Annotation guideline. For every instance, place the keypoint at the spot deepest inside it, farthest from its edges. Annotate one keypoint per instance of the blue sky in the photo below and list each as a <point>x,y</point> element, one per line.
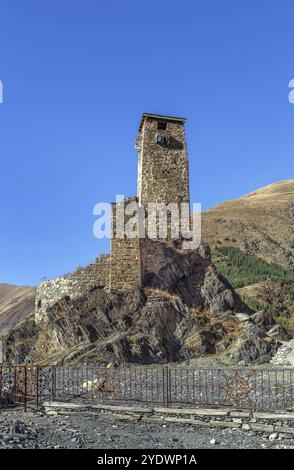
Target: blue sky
<point>77,74</point>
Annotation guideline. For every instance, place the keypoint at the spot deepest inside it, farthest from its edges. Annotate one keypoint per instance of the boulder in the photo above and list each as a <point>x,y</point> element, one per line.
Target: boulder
<point>278,332</point>
<point>252,345</point>
<point>242,317</point>
<point>263,319</point>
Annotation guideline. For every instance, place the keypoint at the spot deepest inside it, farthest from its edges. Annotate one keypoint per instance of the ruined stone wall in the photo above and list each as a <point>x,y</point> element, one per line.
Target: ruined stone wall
<point>72,285</point>
<point>94,274</point>
<point>163,173</point>
<point>125,259</point>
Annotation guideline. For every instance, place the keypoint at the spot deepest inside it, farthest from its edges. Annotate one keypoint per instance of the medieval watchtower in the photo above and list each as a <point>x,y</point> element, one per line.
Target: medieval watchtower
<point>163,177</point>
<point>163,173</point>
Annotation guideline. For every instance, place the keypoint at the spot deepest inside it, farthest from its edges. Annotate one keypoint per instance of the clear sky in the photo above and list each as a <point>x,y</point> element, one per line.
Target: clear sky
<point>77,74</point>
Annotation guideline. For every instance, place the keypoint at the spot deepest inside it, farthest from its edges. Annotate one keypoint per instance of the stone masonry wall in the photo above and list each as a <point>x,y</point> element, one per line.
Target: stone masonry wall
<point>72,286</point>
<point>125,259</point>
<point>163,177</point>
<point>163,173</point>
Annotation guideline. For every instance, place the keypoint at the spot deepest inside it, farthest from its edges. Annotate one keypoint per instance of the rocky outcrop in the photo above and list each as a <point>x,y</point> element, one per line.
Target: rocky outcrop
<point>285,355</point>
<point>255,340</point>
<point>186,310</point>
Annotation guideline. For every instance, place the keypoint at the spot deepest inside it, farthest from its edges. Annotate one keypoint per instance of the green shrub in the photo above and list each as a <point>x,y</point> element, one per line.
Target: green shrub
<point>256,305</point>
<point>287,323</point>
<point>242,269</point>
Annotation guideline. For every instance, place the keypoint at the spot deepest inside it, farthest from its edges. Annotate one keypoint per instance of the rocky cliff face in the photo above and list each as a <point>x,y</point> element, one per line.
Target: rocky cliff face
<point>186,310</point>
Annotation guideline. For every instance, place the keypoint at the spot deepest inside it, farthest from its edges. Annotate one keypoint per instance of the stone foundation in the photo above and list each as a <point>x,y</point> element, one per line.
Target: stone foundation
<point>268,424</point>
<point>72,286</point>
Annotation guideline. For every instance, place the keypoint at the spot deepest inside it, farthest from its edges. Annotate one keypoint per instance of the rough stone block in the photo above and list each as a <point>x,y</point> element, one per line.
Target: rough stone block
<point>262,427</point>
<point>224,424</point>
<point>172,419</point>
<point>284,429</point>
<point>274,416</point>
<point>122,408</point>
<point>284,435</point>
<point>191,411</point>
<point>246,427</point>
<point>240,414</point>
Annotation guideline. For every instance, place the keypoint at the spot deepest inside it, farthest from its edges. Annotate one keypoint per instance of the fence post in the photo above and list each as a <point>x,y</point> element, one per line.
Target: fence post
<point>165,376</point>
<point>53,389</point>
<point>25,387</point>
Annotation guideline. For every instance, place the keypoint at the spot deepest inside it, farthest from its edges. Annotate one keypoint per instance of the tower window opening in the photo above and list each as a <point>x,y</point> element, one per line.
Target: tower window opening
<point>161,140</point>
<point>161,125</point>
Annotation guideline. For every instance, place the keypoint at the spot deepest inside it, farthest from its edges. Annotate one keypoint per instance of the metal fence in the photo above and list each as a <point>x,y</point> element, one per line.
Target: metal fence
<point>260,389</point>
<point>19,386</point>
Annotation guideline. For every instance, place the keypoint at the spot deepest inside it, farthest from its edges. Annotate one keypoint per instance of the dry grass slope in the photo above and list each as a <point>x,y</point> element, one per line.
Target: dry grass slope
<point>16,305</point>
<point>260,223</point>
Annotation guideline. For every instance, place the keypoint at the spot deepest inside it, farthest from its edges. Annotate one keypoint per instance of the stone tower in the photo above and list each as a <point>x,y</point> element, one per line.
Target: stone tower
<point>163,172</point>
<point>163,177</point>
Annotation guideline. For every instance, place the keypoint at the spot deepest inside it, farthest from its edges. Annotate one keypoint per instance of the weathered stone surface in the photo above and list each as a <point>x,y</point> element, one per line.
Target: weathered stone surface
<point>278,332</point>
<point>124,408</point>
<point>178,324</point>
<point>262,427</point>
<point>285,355</point>
<point>172,419</point>
<point>224,424</point>
<point>242,316</point>
<point>274,416</point>
<point>71,286</point>
<point>240,414</point>
<point>54,405</point>
<point>192,411</point>
<point>263,319</point>
<point>246,427</point>
<point>252,345</point>
<point>285,429</point>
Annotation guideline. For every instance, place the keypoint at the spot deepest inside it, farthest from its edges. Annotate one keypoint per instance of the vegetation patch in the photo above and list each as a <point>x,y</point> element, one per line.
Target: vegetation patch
<point>242,269</point>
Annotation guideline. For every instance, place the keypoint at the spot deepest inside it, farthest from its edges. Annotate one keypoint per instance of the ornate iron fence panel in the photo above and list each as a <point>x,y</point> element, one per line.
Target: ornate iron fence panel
<point>264,389</point>
<point>19,385</point>
<point>256,389</point>
<point>115,384</point>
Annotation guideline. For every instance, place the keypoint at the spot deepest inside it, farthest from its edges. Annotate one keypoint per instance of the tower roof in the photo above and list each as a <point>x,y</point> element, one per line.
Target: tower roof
<point>160,117</point>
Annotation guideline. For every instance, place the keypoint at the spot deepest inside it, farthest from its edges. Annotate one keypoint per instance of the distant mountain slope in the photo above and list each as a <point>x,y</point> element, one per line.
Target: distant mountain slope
<point>270,294</point>
<point>16,305</point>
<point>260,223</point>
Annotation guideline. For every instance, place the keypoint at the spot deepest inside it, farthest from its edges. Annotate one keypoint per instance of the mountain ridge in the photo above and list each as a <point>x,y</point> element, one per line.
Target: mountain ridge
<point>16,305</point>
<point>260,223</point>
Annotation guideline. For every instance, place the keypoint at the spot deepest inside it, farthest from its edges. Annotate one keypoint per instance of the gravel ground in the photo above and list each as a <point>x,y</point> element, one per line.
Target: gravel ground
<point>38,430</point>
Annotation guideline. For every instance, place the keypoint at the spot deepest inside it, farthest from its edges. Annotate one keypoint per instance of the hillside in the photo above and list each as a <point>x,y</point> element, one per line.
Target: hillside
<point>252,241</point>
<point>16,305</point>
<point>185,311</point>
<point>260,223</point>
